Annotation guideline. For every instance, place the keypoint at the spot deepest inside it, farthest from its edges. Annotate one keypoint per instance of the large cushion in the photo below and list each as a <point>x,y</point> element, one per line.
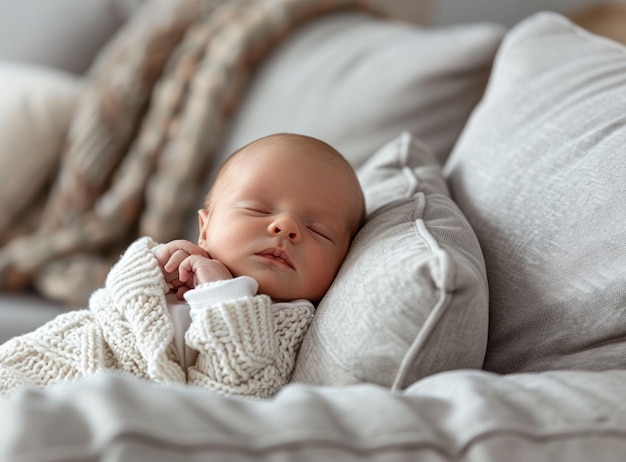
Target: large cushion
<point>540,172</point>
<point>37,106</point>
<point>356,81</point>
<point>65,34</point>
<point>411,297</point>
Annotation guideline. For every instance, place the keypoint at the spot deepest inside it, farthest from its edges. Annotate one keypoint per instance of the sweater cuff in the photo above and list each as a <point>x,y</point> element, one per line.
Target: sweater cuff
<point>212,293</point>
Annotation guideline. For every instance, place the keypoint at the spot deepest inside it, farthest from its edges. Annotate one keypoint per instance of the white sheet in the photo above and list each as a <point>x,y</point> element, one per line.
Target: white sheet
<point>453,416</point>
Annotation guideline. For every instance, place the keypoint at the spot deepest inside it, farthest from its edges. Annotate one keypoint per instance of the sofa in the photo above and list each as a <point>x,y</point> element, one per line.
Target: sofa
<point>480,314</point>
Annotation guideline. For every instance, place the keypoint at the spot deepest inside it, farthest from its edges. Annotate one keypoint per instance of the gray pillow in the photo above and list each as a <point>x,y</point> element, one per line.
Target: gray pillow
<point>411,297</point>
<point>540,172</point>
<point>356,81</point>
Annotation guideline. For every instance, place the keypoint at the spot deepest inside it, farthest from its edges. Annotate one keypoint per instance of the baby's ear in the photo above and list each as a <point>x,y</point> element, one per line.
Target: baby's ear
<point>203,220</point>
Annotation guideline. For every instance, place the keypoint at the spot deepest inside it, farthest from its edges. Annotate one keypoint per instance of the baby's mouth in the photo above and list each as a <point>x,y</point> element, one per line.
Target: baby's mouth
<point>277,255</point>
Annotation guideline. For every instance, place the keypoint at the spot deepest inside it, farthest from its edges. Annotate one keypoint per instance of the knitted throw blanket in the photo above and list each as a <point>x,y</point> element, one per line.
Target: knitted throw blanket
<point>157,101</point>
<point>246,346</point>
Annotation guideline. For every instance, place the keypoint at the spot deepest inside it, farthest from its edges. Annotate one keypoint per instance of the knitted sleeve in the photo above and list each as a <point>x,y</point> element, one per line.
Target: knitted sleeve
<point>131,311</point>
<point>246,346</point>
<point>126,327</point>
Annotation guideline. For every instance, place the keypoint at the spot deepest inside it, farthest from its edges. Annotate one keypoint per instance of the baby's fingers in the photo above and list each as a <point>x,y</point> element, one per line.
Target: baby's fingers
<point>165,253</point>
<point>187,267</point>
<point>200,270</point>
<point>175,260</point>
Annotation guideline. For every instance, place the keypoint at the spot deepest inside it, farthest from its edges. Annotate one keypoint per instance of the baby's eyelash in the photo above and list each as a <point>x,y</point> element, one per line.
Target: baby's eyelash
<point>320,233</point>
<point>259,210</point>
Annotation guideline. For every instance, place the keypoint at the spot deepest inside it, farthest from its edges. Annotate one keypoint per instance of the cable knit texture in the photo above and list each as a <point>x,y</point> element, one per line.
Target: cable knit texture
<point>246,346</point>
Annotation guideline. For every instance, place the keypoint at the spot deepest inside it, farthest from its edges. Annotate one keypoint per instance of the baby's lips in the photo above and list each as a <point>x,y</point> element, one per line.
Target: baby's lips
<point>280,254</point>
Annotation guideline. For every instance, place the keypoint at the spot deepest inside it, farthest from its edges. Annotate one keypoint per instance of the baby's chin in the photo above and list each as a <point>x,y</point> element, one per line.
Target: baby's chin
<point>283,291</point>
<point>279,294</point>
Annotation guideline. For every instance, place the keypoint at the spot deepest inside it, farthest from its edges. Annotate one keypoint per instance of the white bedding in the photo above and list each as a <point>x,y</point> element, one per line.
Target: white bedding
<point>454,416</point>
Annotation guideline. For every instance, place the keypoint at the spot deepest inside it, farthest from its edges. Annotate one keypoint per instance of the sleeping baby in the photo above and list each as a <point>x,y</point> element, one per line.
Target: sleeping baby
<point>228,313</point>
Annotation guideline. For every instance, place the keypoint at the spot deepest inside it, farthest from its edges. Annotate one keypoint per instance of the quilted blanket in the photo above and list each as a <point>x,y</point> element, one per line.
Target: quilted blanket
<point>158,99</point>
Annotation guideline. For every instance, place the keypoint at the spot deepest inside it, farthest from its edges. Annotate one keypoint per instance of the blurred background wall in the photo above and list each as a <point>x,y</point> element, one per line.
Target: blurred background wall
<point>507,12</point>
<point>66,34</point>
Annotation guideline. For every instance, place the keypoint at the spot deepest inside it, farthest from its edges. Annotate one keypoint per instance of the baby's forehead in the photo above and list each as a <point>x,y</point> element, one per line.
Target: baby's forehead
<point>295,148</point>
<point>278,151</point>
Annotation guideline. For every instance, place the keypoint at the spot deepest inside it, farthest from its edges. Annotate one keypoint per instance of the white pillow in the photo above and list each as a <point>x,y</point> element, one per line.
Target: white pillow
<point>540,172</point>
<point>37,106</point>
<point>411,297</point>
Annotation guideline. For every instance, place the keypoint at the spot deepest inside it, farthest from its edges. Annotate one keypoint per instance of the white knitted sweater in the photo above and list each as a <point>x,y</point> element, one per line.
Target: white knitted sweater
<point>245,346</point>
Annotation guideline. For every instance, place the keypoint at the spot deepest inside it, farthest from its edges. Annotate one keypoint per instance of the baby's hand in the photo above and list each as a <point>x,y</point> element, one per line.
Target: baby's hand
<point>171,255</point>
<point>180,260</point>
<point>201,269</point>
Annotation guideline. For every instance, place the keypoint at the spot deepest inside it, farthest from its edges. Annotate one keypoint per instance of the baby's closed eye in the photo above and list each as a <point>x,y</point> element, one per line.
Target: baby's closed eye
<point>255,208</point>
<point>321,230</point>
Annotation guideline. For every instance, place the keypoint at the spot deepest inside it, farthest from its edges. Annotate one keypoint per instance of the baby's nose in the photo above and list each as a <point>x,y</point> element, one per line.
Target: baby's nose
<point>286,227</point>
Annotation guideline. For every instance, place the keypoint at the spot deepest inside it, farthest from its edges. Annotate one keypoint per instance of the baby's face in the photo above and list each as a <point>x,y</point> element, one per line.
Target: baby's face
<point>283,218</point>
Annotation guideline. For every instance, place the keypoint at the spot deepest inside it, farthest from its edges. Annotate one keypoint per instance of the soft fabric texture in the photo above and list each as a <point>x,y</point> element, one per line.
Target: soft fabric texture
<point>457,416</point>
<point>411,297</point>
<point>62,34</point>
<point>36,110</point>
<point>539,172</point>
<point>246,346</point>
<point>144,133</point>
<point>356,81</point>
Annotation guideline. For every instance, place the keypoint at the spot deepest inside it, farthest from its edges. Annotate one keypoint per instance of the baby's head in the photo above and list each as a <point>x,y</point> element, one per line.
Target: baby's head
<point>283,210</point>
